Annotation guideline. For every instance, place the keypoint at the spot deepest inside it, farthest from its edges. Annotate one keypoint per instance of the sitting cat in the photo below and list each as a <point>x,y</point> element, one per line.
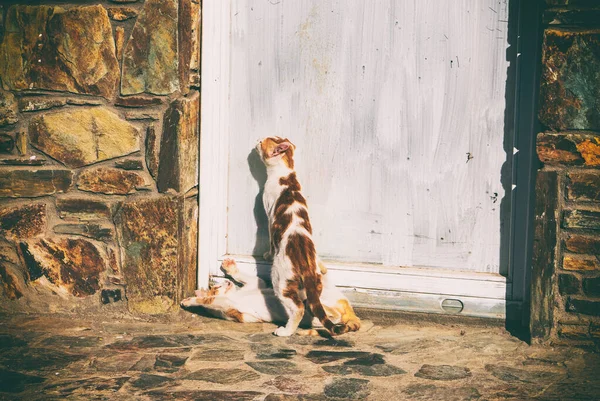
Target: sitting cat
<point>295,274</point>
<point>255,301</point>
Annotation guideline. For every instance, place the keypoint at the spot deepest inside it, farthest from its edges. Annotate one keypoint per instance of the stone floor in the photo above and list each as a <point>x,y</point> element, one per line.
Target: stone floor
<point>188,357</point>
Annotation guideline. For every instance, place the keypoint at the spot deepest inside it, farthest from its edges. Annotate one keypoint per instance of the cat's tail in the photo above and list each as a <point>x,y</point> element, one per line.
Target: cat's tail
<point>313,287</point>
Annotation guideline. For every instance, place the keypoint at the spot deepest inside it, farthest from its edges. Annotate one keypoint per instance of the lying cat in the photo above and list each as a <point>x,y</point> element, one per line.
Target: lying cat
<point>295,274</point>
<point>255,301</point>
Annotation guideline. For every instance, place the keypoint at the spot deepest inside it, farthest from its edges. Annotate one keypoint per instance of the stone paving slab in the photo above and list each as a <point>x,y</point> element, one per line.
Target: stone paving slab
<point>188,357</point>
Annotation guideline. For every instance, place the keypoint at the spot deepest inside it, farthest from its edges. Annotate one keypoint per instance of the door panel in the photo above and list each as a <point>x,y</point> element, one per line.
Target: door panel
<point>397,110</point>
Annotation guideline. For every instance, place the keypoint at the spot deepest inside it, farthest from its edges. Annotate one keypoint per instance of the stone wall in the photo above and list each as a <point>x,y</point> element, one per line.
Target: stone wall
<point>566,276</point>
<point>99,123</point>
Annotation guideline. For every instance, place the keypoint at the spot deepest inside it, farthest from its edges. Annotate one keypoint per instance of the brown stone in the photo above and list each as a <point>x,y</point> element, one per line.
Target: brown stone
<point>569,148</point>
<point>90,101</point>
<point>578,243</point>
<point>189,246</point>
<point>130,164</point>
<point>587,219</point>
<point>23,162</point>
<point>8,108</point>
<point>185,26</point>
<point>94,134</point>
<point>544,249</point>
<point>121,13</point>
<point>7,143</point>
<point>583,186</point>
<point>195,44</point>
<point>580,263</point>
<point>74,265</point>
<point>82,209</point>
<point>148,236</point>
<point>31,184</point>
<point>119,41</point>
<point>178,166</point>
<point>13,280</point>
<point>561,16</point>
<point>110,181</point>
<point>137,101</point>
<point>141,116</point>
<point>570,83</point>
<point>150,60</point>
<point>27,104</point>
<point>573,332</point>
<point>94,231</point>
<point>48,47</point>
<point>568,284</point>
<point>21,142</point>
<point>152,150</point>
<point>583,306</point>
<point>25,221</point>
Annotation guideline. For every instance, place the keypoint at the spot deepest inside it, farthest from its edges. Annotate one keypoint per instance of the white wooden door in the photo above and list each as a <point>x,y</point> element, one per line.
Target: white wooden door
<point>397,109</point>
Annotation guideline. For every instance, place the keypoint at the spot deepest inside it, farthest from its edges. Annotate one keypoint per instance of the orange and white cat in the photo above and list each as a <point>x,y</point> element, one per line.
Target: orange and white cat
<point>255,301</point>
<point>295,275</point>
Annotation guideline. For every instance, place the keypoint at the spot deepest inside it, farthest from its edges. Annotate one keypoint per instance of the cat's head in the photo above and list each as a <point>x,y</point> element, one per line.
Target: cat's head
<point>274,150</point>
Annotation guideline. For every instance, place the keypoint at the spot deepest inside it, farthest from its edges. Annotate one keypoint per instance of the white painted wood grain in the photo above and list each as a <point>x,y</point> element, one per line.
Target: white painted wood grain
<point>384,100</point>
<point>214,123</point>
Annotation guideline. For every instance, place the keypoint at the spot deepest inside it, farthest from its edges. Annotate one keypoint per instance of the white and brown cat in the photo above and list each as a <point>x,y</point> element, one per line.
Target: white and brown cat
<point>295,275</point>
<point>255,301</point>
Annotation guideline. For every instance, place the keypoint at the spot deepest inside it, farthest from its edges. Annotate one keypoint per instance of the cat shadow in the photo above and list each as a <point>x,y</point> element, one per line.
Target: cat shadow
<point>261,242</point>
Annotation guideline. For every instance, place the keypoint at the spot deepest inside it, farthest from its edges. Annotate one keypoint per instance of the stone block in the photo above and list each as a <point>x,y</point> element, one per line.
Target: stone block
<point>185,33</point>
<point>150,58</point>
<point>573,332</point>
<point>580,263</point>
<point>7,143</point>
<point>31,184</point>
<point>110,181</point>
<point>568,284</point>
<point>28,104</point>
<point>25,221</point>
<point>94,134</point>
<point>578,243</point>
<point>591,286</point>
<point>82,209</point>
<point>586,219</point>
<point>122,13</point>
<point>583,306</point>
<point>119,42</point>
<point>570,83</point>
<point>47,47</point>
<point>544,247</point>
<point>583,186</point>
<point>152,150</point>
<point>137,101</point>
<point>22,142</point>
<point>148,236</point>
<point>195,43</point>
<point>178,162</point>
<point>94,231</point>
<point>72,265</point>
<point>569,148</point>
<point>129,164</point>
<point>8,108</point>
<point>189,246</point>
<point>562,16</point>
<point>12,280</point>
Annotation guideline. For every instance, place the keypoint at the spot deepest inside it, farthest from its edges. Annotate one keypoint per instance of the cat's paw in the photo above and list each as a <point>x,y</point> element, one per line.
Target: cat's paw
<point>267,256</point>
<point>200,293</point>
<point>191,301</point>
<point>230,267</point>
<point>283,332</point>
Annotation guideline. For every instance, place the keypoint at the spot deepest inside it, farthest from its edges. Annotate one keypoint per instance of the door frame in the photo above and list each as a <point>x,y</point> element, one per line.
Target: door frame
<point>414,288</point>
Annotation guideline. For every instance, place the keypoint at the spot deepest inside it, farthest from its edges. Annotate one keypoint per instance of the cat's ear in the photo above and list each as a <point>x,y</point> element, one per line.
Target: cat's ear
<point>280,148</point>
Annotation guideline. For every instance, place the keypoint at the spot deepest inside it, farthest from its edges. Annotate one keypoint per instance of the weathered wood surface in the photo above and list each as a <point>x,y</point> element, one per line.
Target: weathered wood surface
<point>397,109</point>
